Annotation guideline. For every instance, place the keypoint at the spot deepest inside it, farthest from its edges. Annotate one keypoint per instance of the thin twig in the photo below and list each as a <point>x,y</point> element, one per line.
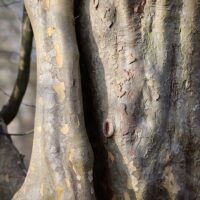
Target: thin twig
<point>3,4</point>
<point>30,132</point>
<point>25,104</point>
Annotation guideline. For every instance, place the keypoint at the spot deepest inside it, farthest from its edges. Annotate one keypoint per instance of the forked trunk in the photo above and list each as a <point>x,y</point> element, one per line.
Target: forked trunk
<point>140,74</point>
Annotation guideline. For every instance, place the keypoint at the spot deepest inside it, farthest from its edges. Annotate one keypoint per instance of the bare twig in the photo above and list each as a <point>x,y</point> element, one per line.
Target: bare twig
<point>25,104</point>
<point>30,132</point>
<point>3,4</point>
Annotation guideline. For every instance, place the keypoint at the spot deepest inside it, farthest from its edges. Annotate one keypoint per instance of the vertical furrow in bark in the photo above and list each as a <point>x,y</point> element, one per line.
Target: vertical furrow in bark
<point>113,57</point>
<point>138,59</point>
<point>141,69</point>
<point>190,51</point>
<point>93,93</point>
<point>62,159</point>
<point>125,101</point>
<point>156,93</point>
<point>175,169</point>
<point>165,70</point>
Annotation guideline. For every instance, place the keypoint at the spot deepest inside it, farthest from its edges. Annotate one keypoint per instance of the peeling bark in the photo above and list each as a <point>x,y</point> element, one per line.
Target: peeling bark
<point>140,75</point>
<point>12,168</point>
<point>140,81</point>
<point>62,160</point>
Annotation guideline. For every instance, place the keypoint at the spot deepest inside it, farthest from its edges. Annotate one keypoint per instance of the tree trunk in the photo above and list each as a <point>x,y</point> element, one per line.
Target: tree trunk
<point>61,163</point>
<point>140,82</point>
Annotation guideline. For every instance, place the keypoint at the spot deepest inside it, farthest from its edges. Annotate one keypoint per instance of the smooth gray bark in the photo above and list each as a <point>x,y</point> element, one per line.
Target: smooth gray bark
<point>62,159</point>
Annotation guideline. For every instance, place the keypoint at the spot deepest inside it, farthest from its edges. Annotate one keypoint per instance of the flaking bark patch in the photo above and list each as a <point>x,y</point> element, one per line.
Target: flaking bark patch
<point>59,57</point>
<point>45,4</point>
<point>60,90</point>
<point>65,129</point>
<point>50,31</point>
<point>61,161</point>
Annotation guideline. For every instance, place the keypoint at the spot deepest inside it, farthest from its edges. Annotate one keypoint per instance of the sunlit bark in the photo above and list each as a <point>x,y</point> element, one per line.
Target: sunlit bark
<point>140,75</point>
<point>140,66</point>
<point>62,160</point>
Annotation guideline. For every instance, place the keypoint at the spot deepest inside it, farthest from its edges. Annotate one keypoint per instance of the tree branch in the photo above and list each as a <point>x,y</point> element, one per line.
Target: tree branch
<point>25,104</point>
<point>9,111</point>
<point>3,4</point>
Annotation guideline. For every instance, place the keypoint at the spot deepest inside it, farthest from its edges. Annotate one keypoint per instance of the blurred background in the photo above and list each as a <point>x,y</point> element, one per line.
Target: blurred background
<point>11,12</point>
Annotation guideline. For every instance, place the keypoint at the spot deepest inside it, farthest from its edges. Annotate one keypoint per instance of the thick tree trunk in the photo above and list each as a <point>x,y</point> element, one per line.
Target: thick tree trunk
<point>140,76</point>
<point>140,66</point>
<point>62,160</point>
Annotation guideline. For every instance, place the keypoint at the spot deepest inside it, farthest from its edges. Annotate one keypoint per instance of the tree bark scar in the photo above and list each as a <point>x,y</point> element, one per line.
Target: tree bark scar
<point>108,128</point>
<point>45,4</point>
<point>96,3</point>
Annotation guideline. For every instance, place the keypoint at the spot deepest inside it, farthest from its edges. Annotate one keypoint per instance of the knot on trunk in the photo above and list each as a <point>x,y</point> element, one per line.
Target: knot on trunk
<point>108,128</point>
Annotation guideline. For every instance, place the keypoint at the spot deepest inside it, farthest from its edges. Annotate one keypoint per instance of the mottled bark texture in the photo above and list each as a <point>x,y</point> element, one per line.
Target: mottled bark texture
<point>140,66</point>
<point>62,159</point>
<point>141,78</point>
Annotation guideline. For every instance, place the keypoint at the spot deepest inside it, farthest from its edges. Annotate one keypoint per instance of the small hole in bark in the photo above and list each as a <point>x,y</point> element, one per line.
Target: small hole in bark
<point>108,128</point>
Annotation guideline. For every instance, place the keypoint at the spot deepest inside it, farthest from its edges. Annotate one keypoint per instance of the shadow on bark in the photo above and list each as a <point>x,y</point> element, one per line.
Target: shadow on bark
<point>96,110</point>
<point>93,118</point>
<point>161,170</point>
